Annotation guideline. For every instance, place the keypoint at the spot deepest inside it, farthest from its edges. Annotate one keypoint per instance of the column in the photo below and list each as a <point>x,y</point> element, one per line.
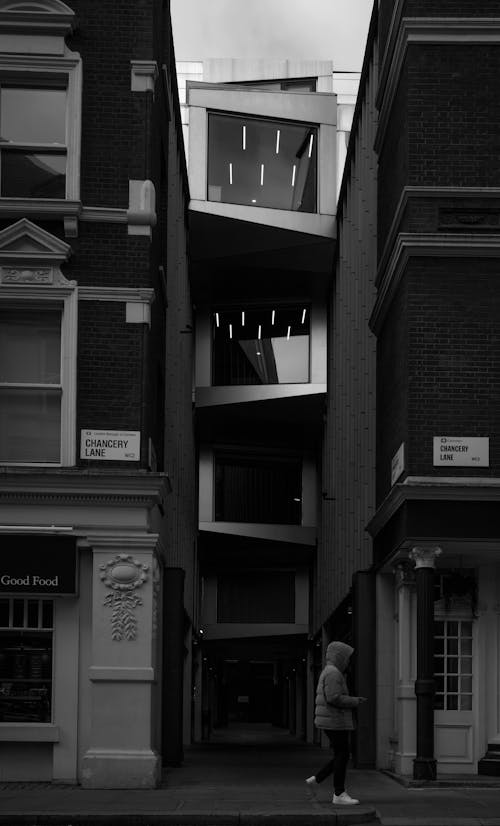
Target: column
<point>121,674</point>
<point>405,748</point>
<point>424,765</point>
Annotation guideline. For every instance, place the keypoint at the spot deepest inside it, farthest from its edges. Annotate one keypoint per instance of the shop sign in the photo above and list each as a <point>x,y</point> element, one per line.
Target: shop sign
<point>461,451</point>
<point>41,565</point>
<point>398,463</point>
<point>111,445</point>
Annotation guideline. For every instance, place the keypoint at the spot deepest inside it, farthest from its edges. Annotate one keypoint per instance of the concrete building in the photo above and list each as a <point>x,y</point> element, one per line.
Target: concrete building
<point>263,181</point>
<point>97,492</point>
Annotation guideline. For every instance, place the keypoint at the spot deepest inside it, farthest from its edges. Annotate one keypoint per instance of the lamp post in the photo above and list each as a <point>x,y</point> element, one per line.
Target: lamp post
<point>424,765</point>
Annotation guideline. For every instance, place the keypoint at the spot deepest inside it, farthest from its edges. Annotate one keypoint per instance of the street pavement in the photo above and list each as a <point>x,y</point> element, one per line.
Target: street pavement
<point>254,780</point>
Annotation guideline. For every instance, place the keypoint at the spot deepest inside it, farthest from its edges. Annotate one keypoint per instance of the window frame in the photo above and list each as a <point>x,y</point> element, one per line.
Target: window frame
<point>50,72</point>
<point>65,300</point>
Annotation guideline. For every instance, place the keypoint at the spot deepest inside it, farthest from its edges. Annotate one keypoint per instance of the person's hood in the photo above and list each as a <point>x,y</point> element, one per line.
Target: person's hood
<point>339,654</point>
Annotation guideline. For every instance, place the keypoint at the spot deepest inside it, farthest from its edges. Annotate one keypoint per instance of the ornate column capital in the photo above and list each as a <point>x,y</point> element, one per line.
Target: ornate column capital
<point>425,557</point>
<point>404,572</point>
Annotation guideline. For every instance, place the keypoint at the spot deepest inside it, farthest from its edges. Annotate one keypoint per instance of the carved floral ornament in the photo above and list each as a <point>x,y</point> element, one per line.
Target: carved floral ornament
<point>123,575</point>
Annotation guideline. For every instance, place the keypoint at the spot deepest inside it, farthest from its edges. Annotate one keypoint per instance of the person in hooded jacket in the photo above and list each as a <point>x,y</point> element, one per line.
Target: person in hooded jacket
<point>333,715</point>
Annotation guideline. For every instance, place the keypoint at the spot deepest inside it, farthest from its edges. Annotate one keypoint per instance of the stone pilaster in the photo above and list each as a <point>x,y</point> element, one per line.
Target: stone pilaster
<point>424,766</point>
<point>121,753</point>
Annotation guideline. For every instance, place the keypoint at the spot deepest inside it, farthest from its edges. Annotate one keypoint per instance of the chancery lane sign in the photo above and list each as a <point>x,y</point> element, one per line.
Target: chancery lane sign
<point>111,445</point>
<point>38,564</point>
<point>461,451</point>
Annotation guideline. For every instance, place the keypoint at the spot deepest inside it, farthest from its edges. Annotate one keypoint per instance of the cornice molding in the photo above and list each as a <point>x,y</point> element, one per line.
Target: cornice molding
<point>104,215</point>
<point>128,295</point>
<point>437,192</point>
<point>101,489</point>
<point>407,31</point>
<point>408,245</point>
<point>430,488</point>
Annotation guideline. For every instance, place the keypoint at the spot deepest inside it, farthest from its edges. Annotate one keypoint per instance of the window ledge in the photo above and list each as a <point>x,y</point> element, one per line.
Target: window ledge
<point>68,210</point>
<point>29,732</point>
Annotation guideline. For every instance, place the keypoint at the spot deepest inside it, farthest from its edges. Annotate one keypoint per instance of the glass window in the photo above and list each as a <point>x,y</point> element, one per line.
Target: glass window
<point>262,489</point>
<point>262,163</point>
<point>26,628</point>
<point>453,693</point>
<point>256,596</point>
<point>260,345</point>
<point>33,142</point>
<point>30,384</point>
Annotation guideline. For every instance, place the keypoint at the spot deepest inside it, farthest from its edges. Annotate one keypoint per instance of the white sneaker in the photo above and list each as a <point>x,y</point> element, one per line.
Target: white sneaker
<point>344,799</point>
<point>311,781</point>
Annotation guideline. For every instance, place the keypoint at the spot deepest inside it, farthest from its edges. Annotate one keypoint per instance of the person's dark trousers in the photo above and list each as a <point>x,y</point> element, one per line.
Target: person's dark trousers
<point>339,743</point>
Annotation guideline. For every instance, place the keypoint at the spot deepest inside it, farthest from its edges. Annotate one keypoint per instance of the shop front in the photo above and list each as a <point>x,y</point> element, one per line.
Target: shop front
<point>80,636</point>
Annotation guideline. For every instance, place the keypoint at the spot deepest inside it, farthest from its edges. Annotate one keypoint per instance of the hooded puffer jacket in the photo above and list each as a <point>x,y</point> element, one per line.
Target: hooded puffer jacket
<point>333,703</point>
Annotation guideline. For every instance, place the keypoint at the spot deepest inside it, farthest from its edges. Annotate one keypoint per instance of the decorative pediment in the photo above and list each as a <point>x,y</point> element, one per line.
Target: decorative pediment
<point>30,255</point>
<point>51,18</point>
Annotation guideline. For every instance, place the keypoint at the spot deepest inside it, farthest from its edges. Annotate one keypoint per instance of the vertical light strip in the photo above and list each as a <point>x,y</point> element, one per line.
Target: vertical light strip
<point>230,173</point>
<point>230,331</point>
<point>216,319</point>
<point>288,332</point>
<point>311,139</point>
<point>277,141</point>
<point>293,175</point>
<point>273,316</point>
<point>243,318</point>
<point>244,137</point>
<point>259,334</point>
<point>262,174</point>
<point>303,315</point>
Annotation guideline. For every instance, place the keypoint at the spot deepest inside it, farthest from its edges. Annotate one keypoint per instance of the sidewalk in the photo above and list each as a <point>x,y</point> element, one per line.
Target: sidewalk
<point>231,784</point>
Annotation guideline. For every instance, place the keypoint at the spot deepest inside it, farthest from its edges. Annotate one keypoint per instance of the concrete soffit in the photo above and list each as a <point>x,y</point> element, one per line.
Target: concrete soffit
<point>407,31</point>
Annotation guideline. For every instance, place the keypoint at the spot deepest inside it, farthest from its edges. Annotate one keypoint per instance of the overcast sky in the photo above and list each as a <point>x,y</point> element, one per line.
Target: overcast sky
<point>295,29</point>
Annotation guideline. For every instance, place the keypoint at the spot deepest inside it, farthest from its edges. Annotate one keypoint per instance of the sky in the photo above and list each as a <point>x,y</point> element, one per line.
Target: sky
<point>295,29</point>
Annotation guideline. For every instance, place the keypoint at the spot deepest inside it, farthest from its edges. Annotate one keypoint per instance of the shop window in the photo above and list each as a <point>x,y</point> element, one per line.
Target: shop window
<point>26,631</point>
<point>262,489</point>
<point>267,345</point>
<point>453,665</point>
<point>30,384</point>
<point>33,148</point>
<point>256,596</point>
<point>263,163</point>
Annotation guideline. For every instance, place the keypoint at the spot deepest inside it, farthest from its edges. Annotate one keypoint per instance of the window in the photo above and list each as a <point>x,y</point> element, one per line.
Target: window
<point>453,665</point>
<point>30,384</point>
<point>33,148</point>
<point>256,596</point>
<point>26,628</point>
<point>299,84</point>
<point>38,344</point>
<point>263,163</point>
<point>267,345</point>
<point>262,489</point>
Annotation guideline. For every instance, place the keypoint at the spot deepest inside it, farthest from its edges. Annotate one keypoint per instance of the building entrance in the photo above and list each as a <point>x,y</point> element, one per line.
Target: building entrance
<point>254,690</point>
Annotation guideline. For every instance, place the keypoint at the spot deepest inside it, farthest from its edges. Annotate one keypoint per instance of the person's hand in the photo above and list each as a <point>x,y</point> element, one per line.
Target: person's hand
<point>362,699</point>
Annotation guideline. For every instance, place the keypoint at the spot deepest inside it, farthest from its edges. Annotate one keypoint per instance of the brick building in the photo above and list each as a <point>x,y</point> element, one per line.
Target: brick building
<point>418,233</point>
<point>97,488</point>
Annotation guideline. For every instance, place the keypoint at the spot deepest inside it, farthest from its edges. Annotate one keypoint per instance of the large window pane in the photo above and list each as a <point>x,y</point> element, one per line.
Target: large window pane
<point>33,115</point>
<point>265,596</point>
<point>33,175</point>
<point>30,346</point>
<point>258,489</point>
<point>262,163</point>
<point>30,425</point>
<point>261,346</point>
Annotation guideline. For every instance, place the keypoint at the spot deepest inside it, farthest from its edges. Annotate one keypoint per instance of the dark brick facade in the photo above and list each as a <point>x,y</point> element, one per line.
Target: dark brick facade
<point>439,333</point>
